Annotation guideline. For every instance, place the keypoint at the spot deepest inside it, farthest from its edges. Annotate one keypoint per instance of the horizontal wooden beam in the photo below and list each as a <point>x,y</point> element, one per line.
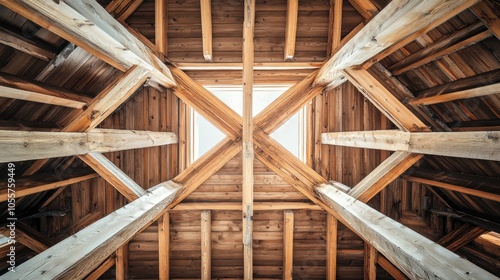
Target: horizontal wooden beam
<point>17,88</point>
<point>45,181</point>
<point>30,46</point>
<point>29,145</point>
<point>394,23</point>
<point>480,186</point>
<point>236,206</point>
<point>87,24</point>
<point>113,175</point>
<point>457,95</point>
<point>268,66</point>
<point>453,144</point>
<point>415,255</point>
<point>81,253</point>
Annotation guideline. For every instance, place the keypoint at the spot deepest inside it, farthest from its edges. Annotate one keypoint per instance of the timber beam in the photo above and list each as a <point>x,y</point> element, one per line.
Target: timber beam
<point>29,145</point>
<point>392,24</point>
<point>452,144</point>
<point>88,25</point>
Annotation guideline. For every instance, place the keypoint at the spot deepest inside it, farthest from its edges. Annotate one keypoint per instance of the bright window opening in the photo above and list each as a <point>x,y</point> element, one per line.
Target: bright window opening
<point>291,134</point>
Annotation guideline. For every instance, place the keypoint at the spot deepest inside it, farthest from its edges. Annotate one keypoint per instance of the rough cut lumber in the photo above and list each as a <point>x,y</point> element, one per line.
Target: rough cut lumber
<point>247,138</point>
<point>292,14</point>
<point>121,263</point>
<point>288,244</point>
<point>394,23</point>
<point>415,255</point>
<point>207,105</point>
<point>236,206</point>
<point>389,105</point>
<point>46,181</point>
<point>206,245</point>
<point>206,27</point>
<point>28,237</point>
<point>164,246</point>
<point>37,49</point>
<point>131,8</point>
<point>365,8</point>
<point>383,175</point>
<point>331,247</point>
<point>28,145</point>
<point>87,24</point>
<point>457,95</point>
<point>17,88</point>
<point>113,175</point>
<point>453,144</point>
<point>390,268</point>
<point>79,254</point>
<point>459,237</point>
<point>370,268</point>
<point>335,27</point>
<point>485,187</point>
<point>105,266</point>
<point>161,27</point>
<point>271,66</point>
<point>485,11</point>
<point>108,100</point>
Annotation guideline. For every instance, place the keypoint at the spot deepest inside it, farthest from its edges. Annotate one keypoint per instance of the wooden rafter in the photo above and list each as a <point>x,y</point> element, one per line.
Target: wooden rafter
<point>480,186</point>
<point>459,237</point>
<point>206,27</point>
<point>383,175</point>
<point>30,46</point>
<point>105,38</point>
<point>457,95</point>
<point>394,23</point>
<point>123,15</point>
<point>22,145</point>
<point>28,237</point>
<point>292,15</point>
<point>484,10</point>
<point>247,138</point>
<point>391,107</point>
<point>453,144</point>
<point>113,175</point>
<point>365,8</point>
<point>99,271</point>
<point>17,88</point>
<point>92,245</point>
<point>47,181</point>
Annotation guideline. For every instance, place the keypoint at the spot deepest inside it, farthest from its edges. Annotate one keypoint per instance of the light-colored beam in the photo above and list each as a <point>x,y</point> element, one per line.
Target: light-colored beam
<point>292,15</point>
<point>415,255</point>
<point>247,138</point>
<point>17,88</point>
<point>288,226</point>
<point>206,28</point>
<point>29,145</point>
<point>161,27</point>
<point>113,175</point>
<point>267,66</point>
<point>88,25</point>
<point>12,39</point>
<point>457,95</point>
<point>257,206</point>
<point>206,245</point>
<point>394,23</point>
<point>44,182</point>
<point>108,100</point>
<point>452,144</point>
<point>164,246</point>
<point>79,254</point>
<point>384,100</point>
<point>383,175</point>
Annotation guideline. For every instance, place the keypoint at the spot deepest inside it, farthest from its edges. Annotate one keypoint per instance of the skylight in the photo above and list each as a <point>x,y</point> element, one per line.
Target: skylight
<point>290,135</point>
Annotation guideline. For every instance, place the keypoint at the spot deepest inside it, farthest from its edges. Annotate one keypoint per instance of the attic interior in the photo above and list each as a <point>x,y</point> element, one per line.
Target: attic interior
<point>397,174</point>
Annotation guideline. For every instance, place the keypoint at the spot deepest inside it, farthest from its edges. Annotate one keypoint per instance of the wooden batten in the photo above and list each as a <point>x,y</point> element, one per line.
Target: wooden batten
<point>457,95</point>
<point>292,14</point>
<point>331,248</point>
<point>288,244</point>
<point>164,246</point>
<point>206,26</point>
<point>206,245</point>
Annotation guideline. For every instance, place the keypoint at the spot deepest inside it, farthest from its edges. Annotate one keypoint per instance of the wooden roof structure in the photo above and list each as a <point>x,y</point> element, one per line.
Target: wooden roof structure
<point>401,177</point>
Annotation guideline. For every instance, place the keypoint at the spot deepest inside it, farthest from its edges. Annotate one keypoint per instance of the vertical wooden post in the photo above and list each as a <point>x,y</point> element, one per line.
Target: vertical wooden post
<point>331,247</point>
<point>161,27</point>
<point>248,153</point>
<point>292,14</point>
<point>164,246</point>
<point>370,262</point>
<point>206,28</point>
<point>335,30</point>
<point>206,245</point>
<point>288,244</point>
<point>122,262</point>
